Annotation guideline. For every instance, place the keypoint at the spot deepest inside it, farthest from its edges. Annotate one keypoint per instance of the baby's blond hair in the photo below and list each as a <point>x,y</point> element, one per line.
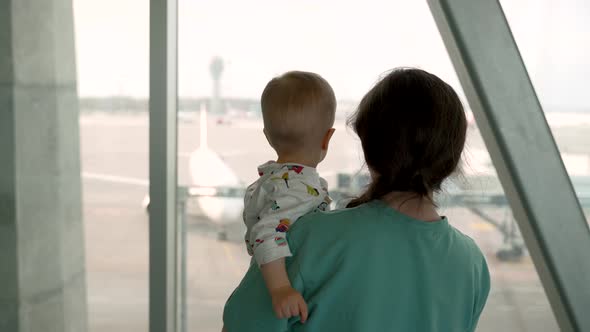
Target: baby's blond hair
<point>298,109</point>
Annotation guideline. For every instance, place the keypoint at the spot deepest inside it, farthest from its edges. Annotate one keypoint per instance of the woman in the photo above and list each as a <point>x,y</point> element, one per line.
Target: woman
<point>388,262</point>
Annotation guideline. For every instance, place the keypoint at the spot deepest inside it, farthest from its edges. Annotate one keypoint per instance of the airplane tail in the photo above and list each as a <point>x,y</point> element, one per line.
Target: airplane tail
<point>203,129</point>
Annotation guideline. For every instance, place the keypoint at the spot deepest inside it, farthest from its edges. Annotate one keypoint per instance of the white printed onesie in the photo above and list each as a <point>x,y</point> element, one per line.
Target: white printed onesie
<point>282,194</point>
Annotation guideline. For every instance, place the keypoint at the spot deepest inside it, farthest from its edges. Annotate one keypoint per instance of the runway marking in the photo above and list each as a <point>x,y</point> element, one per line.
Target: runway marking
<point>232,259</point>
<point>116,179</point>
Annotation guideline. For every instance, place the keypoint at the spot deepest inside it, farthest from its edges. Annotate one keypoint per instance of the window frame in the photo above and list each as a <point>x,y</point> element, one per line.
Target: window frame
<point>512,122</point>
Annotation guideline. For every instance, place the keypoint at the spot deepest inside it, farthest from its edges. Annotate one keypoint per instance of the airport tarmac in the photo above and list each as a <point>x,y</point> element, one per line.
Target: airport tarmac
<point>114,151</point>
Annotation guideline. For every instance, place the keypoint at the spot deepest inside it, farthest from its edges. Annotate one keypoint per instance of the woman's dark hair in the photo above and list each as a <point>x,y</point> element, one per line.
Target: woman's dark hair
<point>412,127</point>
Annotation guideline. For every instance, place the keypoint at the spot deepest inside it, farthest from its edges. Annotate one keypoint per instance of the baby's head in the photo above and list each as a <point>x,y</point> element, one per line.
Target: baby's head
<point>298,110</point>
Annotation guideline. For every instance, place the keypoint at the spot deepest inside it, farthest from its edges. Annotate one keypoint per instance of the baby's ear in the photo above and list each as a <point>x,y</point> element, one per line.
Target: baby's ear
<point>267,138</point>
<point>327,138</point>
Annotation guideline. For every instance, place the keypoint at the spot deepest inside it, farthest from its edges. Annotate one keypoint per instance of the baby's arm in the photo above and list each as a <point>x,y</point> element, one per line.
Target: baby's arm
<point>268,236</point>
<point>286,301</point>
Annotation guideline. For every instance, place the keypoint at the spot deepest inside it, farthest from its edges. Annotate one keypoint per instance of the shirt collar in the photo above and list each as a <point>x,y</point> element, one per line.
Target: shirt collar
<point>271,166</point>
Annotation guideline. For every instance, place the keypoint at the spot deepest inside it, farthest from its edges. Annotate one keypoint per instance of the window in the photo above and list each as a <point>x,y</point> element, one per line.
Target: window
<point>112,55</point>
<point>350,47</point>
<point>550,37</point>
<point>228,50</point>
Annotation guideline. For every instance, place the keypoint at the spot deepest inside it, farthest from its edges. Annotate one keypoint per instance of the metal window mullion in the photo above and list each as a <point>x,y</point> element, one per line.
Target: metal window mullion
<point>163,270</point>
<point>513,125</point>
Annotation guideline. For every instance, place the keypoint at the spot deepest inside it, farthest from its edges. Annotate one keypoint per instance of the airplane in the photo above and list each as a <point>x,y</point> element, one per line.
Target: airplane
<point>214,186</point>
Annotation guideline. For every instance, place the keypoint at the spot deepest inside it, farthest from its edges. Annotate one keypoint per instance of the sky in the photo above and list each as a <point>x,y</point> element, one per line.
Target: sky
<point>350,43</point>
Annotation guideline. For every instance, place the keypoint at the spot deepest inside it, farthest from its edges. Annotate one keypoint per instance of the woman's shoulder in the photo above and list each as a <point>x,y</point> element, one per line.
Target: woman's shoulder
<point>320,219</point>
<point>320,228</point>
<point>467,242</point>
<point>375,215</point>
<point>467,250</point>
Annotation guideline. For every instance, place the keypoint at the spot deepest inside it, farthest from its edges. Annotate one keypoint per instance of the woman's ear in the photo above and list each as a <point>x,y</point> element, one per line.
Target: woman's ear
<point>327,138</point>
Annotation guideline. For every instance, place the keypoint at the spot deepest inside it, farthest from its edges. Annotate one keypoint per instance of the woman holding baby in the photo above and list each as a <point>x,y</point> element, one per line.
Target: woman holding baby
<point>389,261</point>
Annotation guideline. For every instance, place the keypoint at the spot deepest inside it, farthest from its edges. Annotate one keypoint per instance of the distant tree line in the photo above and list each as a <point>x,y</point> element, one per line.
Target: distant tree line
<point>132,104</point>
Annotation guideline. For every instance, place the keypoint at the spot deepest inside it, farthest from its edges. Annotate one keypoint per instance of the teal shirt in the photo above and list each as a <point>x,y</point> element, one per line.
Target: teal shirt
<point>371,268</point>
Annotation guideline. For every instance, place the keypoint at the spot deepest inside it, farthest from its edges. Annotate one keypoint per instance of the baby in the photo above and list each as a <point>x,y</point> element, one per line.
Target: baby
<point>298,110</point>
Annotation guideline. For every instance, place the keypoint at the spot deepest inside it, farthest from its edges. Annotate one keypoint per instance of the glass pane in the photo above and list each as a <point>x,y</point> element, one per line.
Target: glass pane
<point>112,56</point>
<point>552,38</point>
<point>225,59</point>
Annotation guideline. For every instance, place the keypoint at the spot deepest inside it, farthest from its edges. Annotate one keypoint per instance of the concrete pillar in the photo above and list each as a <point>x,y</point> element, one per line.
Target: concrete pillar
<point>42,276</point>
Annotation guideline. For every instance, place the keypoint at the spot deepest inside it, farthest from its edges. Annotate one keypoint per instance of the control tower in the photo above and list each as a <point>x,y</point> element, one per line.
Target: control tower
<point>216,69</point>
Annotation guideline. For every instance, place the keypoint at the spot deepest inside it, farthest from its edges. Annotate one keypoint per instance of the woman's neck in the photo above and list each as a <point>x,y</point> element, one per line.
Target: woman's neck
<point>413,205</point>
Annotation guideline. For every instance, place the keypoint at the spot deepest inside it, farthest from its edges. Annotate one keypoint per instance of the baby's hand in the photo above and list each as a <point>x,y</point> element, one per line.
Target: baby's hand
<point>287,303</point>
